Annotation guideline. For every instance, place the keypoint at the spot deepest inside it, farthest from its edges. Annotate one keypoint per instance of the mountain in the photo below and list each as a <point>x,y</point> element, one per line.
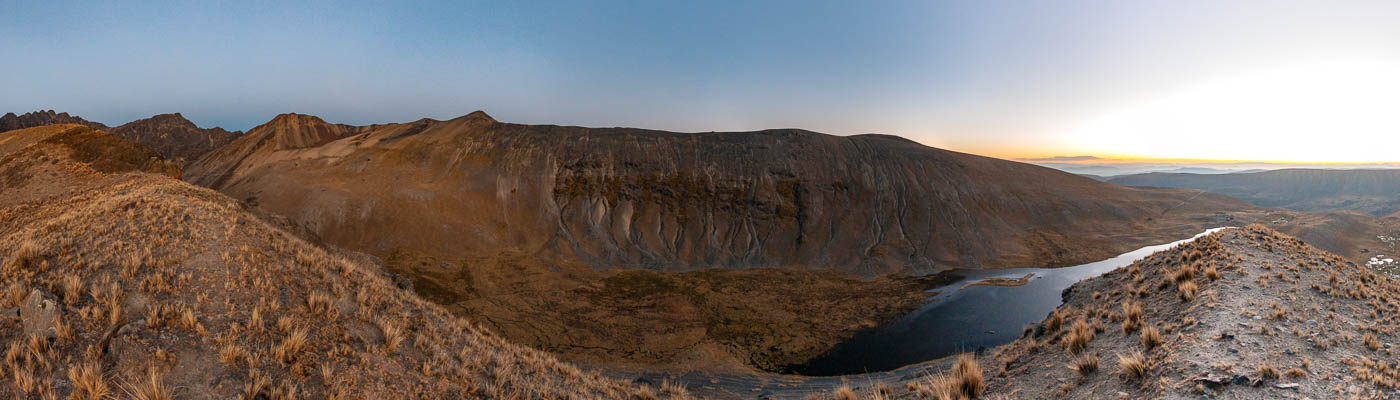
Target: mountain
<point>738,250</point>
<point>10,121</point>
<point>113,279</point>
<point>866,204</point>
<point>1373,191</point>
<point>173,136</point>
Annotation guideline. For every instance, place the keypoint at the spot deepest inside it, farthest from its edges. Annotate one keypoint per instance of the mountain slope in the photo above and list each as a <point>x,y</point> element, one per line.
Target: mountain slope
<point>10,121</point>
<point>110,280</point>
<point>1375,192</point>
<point>1245,313</point>
<point>173,136</point>
<point>867,204</point>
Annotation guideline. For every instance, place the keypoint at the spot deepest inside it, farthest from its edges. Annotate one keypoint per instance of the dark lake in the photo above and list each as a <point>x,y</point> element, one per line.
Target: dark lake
<point>965,319</point>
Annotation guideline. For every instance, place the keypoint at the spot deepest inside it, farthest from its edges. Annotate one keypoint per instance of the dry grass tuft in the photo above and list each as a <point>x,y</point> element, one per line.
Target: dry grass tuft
<point>89,382</point>
<point>393,334</point>
<point>1186,290</point>
<point>968,375</point>
<point>1085,364</point>
<point>845,393</point>
<point>1079,336</point>
<point>1132,366</point>
<point>1150,338</point>
<point>151,388</point>
<point>1132,316</point>
<point>1371,341</point>
<point>1267,371</point>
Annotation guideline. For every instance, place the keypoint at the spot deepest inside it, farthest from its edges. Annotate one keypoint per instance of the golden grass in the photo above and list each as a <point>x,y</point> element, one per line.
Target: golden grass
<point>1079,336</point>
<point>1085,363</point>
<point>1132,316</point>
<point>1150,338</point>
<point>1187,290</point>
<point>150,387</point>
<point>1132,366</point>
<point>88,382</point>
<point>968,375</point>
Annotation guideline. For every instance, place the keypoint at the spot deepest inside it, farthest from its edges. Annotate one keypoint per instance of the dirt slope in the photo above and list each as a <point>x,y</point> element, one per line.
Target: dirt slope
<point>117,281</point>
<point>1245,313</point>
<point>866,204</point>
<point>1375,192</point>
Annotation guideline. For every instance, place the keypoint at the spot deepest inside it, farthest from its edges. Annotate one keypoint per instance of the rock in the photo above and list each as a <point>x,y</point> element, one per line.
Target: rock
<point>41,315</point>
<point>1213,379</point>
<point>131,328</point>
<point>1293,386</point>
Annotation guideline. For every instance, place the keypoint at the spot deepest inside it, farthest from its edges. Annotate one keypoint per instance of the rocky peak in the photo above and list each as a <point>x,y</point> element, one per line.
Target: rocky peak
<point>173,136</point>
<point>10,121</point>
<point>294,131</point>
<point>477,115</point>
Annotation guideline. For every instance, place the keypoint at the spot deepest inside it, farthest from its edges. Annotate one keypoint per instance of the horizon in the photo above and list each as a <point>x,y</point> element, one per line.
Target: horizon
<point>1265,82</point>
<point>1064,163</point>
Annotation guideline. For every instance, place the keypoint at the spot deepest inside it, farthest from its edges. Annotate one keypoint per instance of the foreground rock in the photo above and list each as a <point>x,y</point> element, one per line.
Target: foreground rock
<point>41,315</point>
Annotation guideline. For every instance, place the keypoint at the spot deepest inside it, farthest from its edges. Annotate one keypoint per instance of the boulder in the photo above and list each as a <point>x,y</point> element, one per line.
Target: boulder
<point>41,315</point>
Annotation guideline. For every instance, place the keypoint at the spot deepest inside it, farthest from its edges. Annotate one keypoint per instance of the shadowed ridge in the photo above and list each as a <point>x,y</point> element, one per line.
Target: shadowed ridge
<point>174,137</point>
<point>10,121</point>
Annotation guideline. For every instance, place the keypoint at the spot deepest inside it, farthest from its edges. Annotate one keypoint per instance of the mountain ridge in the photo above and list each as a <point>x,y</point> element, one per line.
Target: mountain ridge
<point>595,183</point>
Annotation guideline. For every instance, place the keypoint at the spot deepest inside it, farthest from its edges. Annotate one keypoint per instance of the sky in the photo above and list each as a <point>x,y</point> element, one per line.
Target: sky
<point>1306,81</point>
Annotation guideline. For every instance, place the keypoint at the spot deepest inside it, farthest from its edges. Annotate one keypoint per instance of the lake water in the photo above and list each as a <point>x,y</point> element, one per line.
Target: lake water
<point>961,319</point>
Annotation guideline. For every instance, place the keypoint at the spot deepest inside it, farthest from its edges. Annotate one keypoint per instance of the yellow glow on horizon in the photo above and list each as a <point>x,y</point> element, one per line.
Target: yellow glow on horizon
<point>1336,112</point>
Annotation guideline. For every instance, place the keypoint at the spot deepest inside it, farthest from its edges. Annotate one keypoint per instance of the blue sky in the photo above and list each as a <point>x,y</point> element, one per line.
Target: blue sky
<point>1004,78</point>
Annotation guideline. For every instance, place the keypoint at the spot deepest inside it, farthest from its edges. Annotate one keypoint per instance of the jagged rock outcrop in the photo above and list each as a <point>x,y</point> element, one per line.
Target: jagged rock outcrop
<point>174,137</point>
<point>676,201</point>
<point>10,121</point>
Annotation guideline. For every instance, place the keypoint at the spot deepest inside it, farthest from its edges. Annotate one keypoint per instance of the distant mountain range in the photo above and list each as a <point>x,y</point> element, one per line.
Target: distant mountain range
<point>171,135</point>
<point>1375,192</point>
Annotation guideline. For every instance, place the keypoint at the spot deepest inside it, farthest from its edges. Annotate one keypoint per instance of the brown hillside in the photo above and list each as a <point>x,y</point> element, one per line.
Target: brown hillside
<point>867,204</point>
<point>119,282</point>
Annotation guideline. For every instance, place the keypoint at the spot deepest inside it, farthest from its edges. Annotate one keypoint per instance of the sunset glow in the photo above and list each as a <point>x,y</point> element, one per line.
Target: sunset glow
<point>1342,111</point>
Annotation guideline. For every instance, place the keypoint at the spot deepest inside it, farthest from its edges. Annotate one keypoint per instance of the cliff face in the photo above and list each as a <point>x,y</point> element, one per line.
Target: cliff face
<point>173,136</point>
<point>10,121</point>
<point>869,204</point>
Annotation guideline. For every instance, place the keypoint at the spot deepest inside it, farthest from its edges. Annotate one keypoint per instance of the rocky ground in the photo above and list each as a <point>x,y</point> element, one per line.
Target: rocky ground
<point>1245,313</point>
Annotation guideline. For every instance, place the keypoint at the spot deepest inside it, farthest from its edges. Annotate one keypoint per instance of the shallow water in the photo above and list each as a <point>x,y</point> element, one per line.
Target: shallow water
<point>965,319</point>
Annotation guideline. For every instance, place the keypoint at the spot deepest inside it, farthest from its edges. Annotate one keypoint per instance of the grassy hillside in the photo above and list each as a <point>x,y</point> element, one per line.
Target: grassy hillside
<point>137,285</point>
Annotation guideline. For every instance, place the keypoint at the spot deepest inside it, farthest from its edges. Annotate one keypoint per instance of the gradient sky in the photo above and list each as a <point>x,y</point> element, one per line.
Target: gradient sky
<point>1267,80</point>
